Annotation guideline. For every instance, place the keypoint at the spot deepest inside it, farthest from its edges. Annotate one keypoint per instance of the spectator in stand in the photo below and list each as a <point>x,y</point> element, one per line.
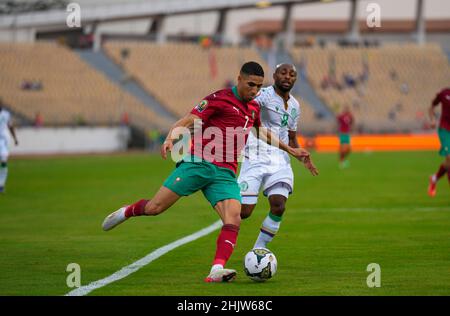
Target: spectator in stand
<point>393,74</point>
<point>349,80</point>
<point>38,120</point>
<point>125,119</point>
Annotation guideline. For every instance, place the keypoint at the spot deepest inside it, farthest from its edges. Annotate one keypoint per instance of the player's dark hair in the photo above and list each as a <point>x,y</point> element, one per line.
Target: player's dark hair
<point>252,68</point>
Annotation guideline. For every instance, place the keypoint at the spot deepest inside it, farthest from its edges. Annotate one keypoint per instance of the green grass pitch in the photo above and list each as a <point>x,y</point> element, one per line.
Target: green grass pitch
<point>377,211</point>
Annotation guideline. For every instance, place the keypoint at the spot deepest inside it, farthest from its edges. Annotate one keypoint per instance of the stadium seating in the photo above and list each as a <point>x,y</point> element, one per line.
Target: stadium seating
<point>179,75</point>
<point>71,92</point>
<point>402,81</point>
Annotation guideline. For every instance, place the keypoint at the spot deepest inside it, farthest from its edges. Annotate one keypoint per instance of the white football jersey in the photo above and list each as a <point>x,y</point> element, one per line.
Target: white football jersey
<point>279,120</point>
<point>4,121</point>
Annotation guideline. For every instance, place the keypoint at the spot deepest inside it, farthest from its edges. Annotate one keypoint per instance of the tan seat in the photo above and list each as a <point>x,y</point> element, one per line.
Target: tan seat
<point>72,91</point>
<point>425,70</point>
<point>179,75</point>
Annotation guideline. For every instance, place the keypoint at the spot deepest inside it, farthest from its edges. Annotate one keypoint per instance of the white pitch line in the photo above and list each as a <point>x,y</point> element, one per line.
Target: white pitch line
<point>126,271</point>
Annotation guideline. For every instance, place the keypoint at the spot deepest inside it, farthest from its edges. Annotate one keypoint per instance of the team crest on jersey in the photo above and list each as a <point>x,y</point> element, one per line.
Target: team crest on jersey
<point>201,106</point>
<point>293,112</point>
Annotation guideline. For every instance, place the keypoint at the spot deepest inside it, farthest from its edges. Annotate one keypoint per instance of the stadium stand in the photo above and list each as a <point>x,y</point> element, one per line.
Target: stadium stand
<point>309,122</point>
<point>400,82</point>
<point>69,92</point>
<point>180,74</point>
<point>51,80</point>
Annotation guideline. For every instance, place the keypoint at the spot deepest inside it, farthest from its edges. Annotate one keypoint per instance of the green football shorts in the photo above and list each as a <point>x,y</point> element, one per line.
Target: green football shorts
<point>444,137</point>
<point>216,183</point>
<point>344,139</point>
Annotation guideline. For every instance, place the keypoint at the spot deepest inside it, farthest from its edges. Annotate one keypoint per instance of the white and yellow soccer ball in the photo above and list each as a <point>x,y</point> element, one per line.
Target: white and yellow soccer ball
<point>260,264</point>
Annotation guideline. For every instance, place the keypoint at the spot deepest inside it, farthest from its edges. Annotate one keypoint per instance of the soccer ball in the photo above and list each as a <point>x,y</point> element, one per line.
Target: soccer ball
<point>260,264</point>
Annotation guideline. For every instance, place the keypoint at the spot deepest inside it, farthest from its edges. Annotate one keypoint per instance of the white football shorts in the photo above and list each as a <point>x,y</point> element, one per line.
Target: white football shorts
<point>271,178</point>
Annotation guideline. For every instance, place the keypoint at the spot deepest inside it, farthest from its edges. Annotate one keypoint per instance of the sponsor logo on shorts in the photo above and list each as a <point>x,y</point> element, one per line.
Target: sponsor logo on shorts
<point>243,186</point>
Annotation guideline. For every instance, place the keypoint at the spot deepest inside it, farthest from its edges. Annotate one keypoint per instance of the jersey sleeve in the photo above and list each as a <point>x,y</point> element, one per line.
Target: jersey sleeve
<point>206,108</point>
<point>263,98</point>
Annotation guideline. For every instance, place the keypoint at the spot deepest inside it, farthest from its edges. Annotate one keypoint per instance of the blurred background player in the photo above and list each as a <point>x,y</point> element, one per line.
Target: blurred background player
<point>223,109</point>
<point>5,124</point>
<point>271,169</point>
<point>442,98</point>
<point>345,123</point>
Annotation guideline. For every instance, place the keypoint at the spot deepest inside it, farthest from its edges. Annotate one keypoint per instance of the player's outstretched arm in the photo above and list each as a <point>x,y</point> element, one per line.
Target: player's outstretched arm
<point>432,116</point>
<point>267,136</point>
<point>299,153</point>
<point>13,133</point>
<point>307,161</point>
<point>187,122</point>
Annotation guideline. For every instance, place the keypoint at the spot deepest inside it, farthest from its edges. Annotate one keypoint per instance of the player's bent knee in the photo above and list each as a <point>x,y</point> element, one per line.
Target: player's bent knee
<point>277,208</point>
<point>447,162</point>
<point>234,219</point>
<point>245,214</point>
<point>246,211</point>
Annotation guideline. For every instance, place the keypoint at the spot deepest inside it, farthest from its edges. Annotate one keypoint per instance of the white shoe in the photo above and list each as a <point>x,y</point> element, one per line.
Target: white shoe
<point>221,275</point>
<point>114,219</point>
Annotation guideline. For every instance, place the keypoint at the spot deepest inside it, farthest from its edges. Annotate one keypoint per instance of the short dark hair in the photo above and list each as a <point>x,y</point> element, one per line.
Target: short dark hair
<point>252,68</point>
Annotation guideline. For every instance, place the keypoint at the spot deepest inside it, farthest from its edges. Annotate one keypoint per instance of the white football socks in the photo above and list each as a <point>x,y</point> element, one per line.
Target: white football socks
<point>269,229</point>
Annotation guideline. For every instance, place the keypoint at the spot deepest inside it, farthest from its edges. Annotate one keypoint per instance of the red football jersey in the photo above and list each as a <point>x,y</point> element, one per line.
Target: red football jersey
<point>345,121</point>
<point>227,121</point>
<point>443,97</point>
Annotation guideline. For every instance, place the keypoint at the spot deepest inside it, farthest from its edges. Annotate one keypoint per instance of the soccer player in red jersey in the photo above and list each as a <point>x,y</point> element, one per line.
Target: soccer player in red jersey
<point>212,168</point>
<point>345,122</point>
<point>442,98</point>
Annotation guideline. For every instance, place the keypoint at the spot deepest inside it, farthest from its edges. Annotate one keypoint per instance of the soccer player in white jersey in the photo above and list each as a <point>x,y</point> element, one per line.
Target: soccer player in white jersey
<point>267,167</point>
<point>5,124</point>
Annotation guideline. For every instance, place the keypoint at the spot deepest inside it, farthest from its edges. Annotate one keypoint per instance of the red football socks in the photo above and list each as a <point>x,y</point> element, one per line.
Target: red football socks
<point>440,172</point>
<point>225,243</point>
<point>136,209</point>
